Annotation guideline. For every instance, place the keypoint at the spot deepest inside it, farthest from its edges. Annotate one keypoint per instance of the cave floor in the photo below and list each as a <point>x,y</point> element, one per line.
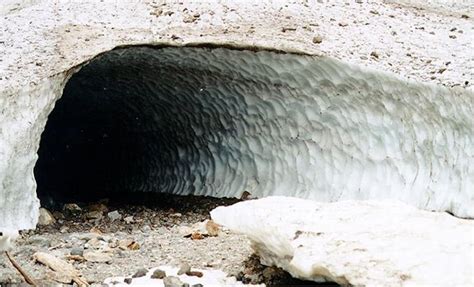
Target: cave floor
<point>143,237</point>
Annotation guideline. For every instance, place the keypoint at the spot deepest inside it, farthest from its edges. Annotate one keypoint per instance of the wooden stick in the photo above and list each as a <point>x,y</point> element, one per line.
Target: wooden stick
<point>23,273</point>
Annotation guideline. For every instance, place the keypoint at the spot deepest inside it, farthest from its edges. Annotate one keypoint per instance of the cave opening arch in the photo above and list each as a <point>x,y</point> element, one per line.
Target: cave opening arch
<point>221,122</point>
<point>151,120</point>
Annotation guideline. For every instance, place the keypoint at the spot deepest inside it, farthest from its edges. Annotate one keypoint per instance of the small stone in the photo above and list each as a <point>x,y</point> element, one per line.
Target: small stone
<point>172,281</point>
<point>157,12</point>
<point>440,71</point>
<point>58,215</point>
<point>128,280</point>
<point>212,228</point>
<point>72,209</point>
<point>177,214</point>
<point>114,215</point>
<point>63,229</point>
<point>129,244</point>
<point>374,54</point>
<point>246,195</point>
<point>94,215</point>
<point>77,251</point>
<point>128,219</point>
<point>452,36</point>
<point>359,1</point>
<point>317,39</point>
<point>464,16</point>
<point>184,268</point>
<point>197,285</point>
<point>197,236</point>
<point>39,240</point>
<point>195,273</point>
<point>375,12</point>
<point>140,273</point>
<point>45,217</point>
<point>98,257</point>
<point>98,207</point>
<point>158,274</point>
<point>343,24</point>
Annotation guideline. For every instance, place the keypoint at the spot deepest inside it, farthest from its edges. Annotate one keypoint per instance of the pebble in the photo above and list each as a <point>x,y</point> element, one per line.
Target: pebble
<point>158,274</point>
<point>184,268</point>
<point>77,251</point>
<point>128,219</point>
<point>128,280</point>
<point>72,209</point>
<point>212,228</point>
<point>114,215</point>
<point>97,257</point>
<point>94,215</point>
<point>39,241</point>
<point>374,54</point>
<point>317,39</point>
<point>140,273</point>
<point>195,273</point>
<point>45,217</point>
<point>172,281</point>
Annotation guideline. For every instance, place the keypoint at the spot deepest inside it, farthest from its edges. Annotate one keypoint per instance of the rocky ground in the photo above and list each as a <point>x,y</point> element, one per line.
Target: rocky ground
<point>105,239</point>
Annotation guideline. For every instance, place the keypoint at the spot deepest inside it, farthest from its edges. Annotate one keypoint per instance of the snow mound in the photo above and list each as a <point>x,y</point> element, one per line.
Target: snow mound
<point>365,243</point>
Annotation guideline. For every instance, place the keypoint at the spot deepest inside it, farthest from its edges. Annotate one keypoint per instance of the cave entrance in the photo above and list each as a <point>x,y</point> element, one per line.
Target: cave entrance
<point>137,120</point>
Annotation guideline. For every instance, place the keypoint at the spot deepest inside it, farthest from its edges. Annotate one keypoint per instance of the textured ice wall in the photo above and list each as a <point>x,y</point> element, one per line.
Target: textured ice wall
<point>219,121</point>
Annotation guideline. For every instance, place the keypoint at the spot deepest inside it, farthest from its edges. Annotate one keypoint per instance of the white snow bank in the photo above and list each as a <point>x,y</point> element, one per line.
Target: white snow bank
<point>363,243</point>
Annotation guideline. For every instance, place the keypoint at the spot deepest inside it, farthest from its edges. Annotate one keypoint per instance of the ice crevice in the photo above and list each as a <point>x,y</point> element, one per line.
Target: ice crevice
<point>220,121</point>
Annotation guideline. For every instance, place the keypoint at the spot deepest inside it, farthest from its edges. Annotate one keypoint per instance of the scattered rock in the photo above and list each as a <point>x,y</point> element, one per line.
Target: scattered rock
<point>157,12</point>
<point>128,219</point>
<point>98,207</point>
<point>72,209</point>
<point>140,273</point>
<point>45,217</point>
<point>172,281</point>
<point>375,12</point>
<point>63,229</point>
<point>98,257</point>
<point>440,71</point>
<point>212,228</point>
<point>94,215</point>
<point>197,236</point>
<point>343,24</point>
<point>128,280</point>
<point>359,1</point>
<point>191,18</point>
<point>452,36</point>
<point>195,273</point>
<point>284,29</point>
<point>129,244</point>
<point>177,214</point>
<point>197,285</point>
<point>39,240</point>
<point>158,274</point>
<point>316,40</point>
<point>114,215</point>
<point>58,215</point>
<point>77,251</point>
<point>374,54</point>
<point>75,258</point>
<point>464,16</point>
<point>184,268</point>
